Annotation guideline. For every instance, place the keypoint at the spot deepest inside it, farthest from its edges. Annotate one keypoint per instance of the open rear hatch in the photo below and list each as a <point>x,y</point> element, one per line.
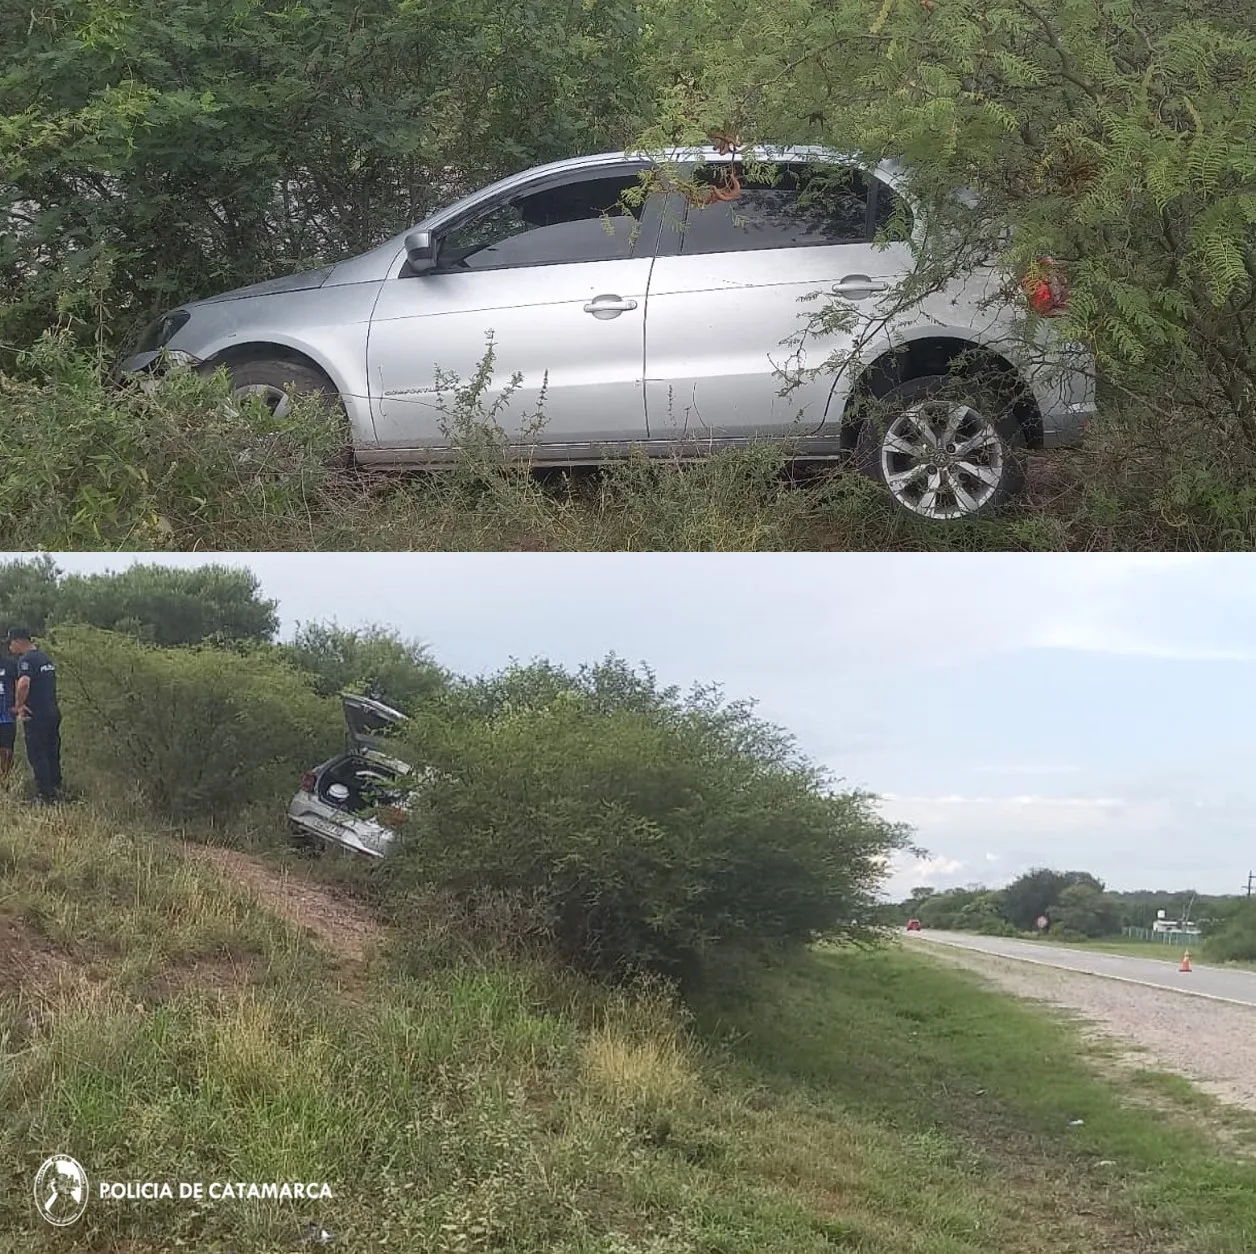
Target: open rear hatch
<point>372,727</point>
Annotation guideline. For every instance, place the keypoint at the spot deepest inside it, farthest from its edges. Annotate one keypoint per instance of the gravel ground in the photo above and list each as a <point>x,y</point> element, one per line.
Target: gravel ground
<point>1212,1043</point>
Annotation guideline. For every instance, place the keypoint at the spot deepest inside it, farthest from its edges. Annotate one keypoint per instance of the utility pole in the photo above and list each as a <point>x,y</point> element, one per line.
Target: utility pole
<point>1251,875</point>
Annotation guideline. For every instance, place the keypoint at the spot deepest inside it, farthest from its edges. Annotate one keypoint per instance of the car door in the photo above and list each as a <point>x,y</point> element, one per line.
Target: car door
<point>733,347</point>
<point>556,275</point>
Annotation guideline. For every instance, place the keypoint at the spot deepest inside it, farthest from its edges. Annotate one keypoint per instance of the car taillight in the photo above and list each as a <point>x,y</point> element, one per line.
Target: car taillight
<point>1046,288</point>
<point>308,781</point>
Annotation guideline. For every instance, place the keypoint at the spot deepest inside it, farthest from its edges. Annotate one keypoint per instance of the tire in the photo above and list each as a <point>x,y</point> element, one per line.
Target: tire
<point>305,843</point>
<point>937,482</point>
<point>273,378</point>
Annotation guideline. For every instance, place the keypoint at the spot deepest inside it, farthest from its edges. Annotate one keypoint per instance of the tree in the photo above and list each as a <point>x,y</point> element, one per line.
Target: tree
<point>364,659</point>
<point>942,910</point>
<point>1233,937</point>
<point>150,155</point>
<point>171,606</point>
<point>648,828</point>
<point>911,908</point>
<point>1115,138</point>
<point>984,909</point>
<point>1037,892</point>
<point>1077,119</point>
<point>1085,909</point>
<point>174,731</point>
<point>28,593</point>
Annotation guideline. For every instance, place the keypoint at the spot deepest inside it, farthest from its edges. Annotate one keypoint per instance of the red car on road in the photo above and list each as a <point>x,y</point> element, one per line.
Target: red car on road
<point>913,925</point>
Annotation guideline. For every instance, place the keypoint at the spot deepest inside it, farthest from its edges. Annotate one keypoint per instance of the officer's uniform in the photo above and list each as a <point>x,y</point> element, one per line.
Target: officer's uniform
<point>42,729</point>
<point>8,720</point>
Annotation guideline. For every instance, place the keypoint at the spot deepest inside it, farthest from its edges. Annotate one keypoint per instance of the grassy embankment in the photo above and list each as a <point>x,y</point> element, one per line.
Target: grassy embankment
<point>160,1022</point>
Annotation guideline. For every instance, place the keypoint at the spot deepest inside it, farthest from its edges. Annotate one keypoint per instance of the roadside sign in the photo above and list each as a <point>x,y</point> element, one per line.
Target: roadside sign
<point>1041,922</point>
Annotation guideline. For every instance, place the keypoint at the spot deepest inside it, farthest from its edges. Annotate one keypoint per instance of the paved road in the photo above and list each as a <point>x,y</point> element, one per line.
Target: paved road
<point>1216,982</point>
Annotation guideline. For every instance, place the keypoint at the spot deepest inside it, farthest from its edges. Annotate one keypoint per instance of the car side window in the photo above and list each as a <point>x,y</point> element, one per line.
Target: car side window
<point>803,207</point>
<point>575,222</point>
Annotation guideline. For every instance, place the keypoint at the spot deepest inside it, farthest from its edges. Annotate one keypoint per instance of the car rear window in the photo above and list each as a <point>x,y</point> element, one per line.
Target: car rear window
<point>799,207</point>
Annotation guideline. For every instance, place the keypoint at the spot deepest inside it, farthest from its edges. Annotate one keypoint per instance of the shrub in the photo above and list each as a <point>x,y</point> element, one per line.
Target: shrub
<point>1065,933</point>
<point>169,606</point>
<point>996,927</point>
<point>184,465</point>
<point>28,592</point>
<point>153,155</point>
<point>188,732</point>
<point>162,604</point>
<point>1235,939</point>
<point>341,658</point>
<point>648,829</point>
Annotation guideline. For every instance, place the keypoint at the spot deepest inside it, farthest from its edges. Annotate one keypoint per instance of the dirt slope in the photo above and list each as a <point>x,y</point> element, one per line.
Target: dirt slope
<point>342,925</point>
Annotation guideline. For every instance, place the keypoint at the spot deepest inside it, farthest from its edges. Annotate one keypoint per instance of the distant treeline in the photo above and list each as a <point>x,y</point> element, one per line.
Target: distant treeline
<point>1078,906</point>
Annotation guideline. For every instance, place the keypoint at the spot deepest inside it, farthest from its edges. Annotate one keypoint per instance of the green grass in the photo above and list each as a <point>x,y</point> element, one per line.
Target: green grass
<point>187,469</point>
<point>1131,948</point>
<point>869,1102</point>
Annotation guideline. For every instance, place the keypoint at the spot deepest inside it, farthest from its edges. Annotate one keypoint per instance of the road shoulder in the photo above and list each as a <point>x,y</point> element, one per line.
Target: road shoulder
<point>1134,1027</point>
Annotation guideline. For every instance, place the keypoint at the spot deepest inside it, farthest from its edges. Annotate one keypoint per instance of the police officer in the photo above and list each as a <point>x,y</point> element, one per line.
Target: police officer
<point>8,708</point>
<point>36,701</point>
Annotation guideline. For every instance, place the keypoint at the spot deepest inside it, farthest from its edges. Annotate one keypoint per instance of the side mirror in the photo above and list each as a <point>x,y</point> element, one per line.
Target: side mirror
<point>421,251</point>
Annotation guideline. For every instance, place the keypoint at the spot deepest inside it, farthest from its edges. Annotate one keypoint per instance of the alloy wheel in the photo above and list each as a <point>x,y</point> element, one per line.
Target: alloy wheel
<point>942,460</point>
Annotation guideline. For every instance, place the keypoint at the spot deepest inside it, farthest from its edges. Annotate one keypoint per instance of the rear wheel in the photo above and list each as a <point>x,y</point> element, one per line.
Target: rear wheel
<point>305,843</point>
<point>275,381</point>
<point>947,449</point>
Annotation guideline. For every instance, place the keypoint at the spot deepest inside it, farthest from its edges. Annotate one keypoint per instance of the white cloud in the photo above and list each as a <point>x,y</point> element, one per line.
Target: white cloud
<point>1141,605</point>
<point>1027,768</point>
<point>925,870</point>
<point>1118,640</point>
<point>981,818</point>
<point>954,799</point>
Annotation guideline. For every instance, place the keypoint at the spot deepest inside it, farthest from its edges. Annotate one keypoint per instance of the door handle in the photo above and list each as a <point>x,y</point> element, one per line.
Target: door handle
<point>609,306</point>
<point>853,283</point>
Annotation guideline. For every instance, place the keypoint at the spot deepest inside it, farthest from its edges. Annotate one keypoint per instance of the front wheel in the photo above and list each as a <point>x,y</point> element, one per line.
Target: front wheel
<point>276,381</point>
<point>947,449</point>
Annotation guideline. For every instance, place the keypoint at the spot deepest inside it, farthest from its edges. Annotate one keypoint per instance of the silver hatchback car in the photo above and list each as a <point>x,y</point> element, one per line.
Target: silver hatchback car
<point>348,802</point>
<point>673,326</point>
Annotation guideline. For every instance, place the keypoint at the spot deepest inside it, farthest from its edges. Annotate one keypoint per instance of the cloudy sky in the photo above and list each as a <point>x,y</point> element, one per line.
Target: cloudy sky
<point>1089,712</point>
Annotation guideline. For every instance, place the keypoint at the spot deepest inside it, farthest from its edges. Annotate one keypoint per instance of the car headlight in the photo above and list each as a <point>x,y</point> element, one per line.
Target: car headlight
<point>162,331</point>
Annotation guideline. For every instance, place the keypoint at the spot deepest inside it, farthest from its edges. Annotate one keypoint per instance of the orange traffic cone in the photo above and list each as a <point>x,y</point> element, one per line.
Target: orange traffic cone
<point>1186,961</point>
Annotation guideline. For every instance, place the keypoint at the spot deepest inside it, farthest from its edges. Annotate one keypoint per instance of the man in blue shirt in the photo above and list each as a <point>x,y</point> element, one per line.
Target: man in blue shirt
<point>8,707</point>
<point>36,706</point>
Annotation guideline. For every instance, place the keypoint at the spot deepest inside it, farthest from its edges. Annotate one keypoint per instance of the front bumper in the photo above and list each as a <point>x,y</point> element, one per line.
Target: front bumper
<point>146,368</point>
<point>144,363</point>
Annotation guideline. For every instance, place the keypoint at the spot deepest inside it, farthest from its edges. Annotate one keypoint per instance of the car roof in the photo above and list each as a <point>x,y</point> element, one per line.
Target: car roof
<point>683,155</point>
<point>890,169</point>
